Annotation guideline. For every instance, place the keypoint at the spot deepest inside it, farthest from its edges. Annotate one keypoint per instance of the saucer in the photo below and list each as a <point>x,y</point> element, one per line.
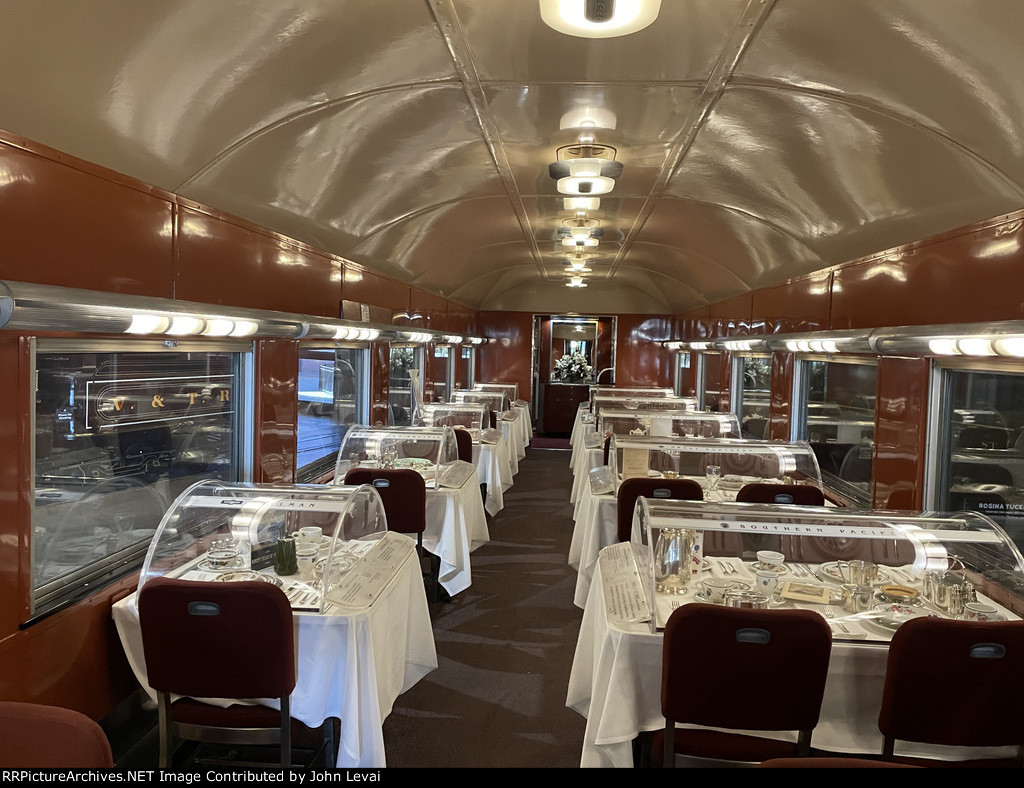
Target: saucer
<point>248,574</point>
<point>208,566</point>
<point>758,566</point>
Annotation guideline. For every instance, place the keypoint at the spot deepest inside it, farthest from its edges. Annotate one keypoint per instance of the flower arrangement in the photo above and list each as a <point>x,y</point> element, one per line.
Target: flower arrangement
<point>573,368</point>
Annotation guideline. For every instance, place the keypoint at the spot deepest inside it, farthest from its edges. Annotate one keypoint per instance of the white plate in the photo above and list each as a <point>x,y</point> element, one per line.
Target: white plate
<point>891,617</point>
<point>757,566</point>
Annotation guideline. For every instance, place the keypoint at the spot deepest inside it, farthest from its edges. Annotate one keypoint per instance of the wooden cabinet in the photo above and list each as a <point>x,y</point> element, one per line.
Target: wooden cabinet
<point>561,401</point>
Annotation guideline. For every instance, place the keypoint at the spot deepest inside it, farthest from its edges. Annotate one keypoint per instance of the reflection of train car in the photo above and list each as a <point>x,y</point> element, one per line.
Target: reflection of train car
<point>172,256</point>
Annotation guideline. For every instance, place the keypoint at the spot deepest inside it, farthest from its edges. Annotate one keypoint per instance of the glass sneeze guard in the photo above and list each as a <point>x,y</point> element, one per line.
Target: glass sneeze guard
<point>510,390</point>
<point>628,392</point>
<point>866,571</point>
<point>423,449</point>
<point>471,415</point>
<point>231,532</point>
<point>496,401</point>
<point>667,402</point>
<point>666,423</point>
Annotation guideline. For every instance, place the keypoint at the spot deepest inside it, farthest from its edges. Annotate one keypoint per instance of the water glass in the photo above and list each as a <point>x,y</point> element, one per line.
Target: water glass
<point>712,476</point>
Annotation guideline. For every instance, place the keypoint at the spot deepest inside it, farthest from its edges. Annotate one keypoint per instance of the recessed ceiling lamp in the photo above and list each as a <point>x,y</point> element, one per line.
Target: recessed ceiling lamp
<point>585,178</point>
<point>586,118</point>
<point>576,281</point>
<point>599,18</point>
<point>580,243</point>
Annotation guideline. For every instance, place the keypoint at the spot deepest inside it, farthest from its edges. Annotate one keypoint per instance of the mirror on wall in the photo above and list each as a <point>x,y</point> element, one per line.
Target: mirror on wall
<point>573,354</point>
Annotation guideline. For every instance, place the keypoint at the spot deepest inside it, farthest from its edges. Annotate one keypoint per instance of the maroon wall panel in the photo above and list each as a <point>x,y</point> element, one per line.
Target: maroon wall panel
<point>780,416</point>
<point>798,305</point>
<point>222,260</point>
<point>975,274</point>
<point>64,222</point>
<point>277,410</point>
<point>901,428</point>
<point>506,358</point>
<point>432,308</point>
<point>640,359</point>
<point>732,317</point>
<point>367,287</point>
<point>380,383</point>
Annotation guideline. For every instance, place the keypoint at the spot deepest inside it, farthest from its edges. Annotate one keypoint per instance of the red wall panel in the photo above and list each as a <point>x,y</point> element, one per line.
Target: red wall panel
<point>900,431</point>
<point>225,261</point>
<point>640,359</point>
<point>364,286</point>
<point>66,223</point>
<point>506,358</point>
<point>780,416</point>
<point>798,305</point>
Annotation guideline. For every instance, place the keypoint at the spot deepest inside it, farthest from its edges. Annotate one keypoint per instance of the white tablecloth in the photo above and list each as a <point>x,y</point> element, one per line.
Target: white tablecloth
<point>456,526</point>
<point>351,665</point>
<point>495,470</point>
<point>525,422</point>
<point>615,683</point>
<point>577,424</point>
<point>586,460</point>
<point>596,527</point>
<point>513,435</point>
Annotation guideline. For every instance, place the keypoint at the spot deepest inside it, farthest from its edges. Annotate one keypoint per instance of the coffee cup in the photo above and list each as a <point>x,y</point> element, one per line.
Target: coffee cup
<point>766,581</point>
<point>713,589</point>
<point>770,559</point>
<point>982,611</point>
<point>311,533</point>
<point>306,555</point>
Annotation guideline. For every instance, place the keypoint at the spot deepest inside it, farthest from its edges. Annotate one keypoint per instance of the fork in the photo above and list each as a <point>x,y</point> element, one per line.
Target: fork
<point>830,614</point>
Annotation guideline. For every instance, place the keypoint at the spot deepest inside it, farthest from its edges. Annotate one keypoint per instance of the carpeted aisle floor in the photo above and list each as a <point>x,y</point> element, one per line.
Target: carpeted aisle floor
<point>504,645</point>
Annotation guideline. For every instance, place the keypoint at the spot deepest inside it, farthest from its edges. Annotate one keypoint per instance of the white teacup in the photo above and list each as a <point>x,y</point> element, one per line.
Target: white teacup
<point>982,611</point>
<point>769,558</point>
<point>222,556</point>
<point>766,581</point>
<point>311,533</point>
<point>306,555</point>
<point>713,590</point>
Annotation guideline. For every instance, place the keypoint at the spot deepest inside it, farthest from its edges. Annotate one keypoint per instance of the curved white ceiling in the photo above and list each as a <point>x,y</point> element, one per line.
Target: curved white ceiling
<point>760,141</point>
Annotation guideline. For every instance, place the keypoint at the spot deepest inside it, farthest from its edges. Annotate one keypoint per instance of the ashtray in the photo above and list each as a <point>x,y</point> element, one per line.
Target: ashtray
<point>898,594</point>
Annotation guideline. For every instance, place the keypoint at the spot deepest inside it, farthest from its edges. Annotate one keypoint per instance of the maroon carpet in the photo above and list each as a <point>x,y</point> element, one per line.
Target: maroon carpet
<point>544,442</point>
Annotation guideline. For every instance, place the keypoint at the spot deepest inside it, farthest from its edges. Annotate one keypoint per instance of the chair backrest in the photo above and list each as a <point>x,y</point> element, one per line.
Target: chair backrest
<point>763,492</point>
<point>465,443</point>
<point>718,660</point>
<point>217,640</point>
<point>49,737</point>
<point>981,706</point>
<point>631,489</point>
<point>403,492</point>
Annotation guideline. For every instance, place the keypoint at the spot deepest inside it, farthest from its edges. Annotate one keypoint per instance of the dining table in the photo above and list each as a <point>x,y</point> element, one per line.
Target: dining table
<point>456,526</point>
<point>495,471</point>
<point>352,662</point>
<point>615,683</point>
<point>512,431</point>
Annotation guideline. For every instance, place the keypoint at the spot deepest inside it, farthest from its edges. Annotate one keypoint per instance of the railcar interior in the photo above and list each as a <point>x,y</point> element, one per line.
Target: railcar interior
<point>232,232</point>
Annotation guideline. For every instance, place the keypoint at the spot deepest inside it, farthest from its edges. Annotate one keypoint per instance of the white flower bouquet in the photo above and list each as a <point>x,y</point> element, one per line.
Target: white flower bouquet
<point>573,368</point>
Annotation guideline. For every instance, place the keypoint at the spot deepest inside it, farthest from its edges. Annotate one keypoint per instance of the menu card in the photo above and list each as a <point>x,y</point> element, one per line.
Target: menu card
<point>635,463</point>
<point>369,578</point>
<point>625,599</point>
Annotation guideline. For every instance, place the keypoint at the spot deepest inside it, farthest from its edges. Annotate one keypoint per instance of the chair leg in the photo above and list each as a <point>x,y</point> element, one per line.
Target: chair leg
<point>668,759</point>
<point>164,723</point>
<point>286,733</point>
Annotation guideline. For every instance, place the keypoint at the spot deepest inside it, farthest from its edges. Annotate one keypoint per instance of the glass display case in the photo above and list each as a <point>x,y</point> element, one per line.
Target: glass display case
<point>306,539</point>
<point>602,401</point>
<point>423,449</point>
<point>471,415</point>
<point>627,393</point>
<point>865,571</point>
<point>678,423</point>
<point>510,390</point>
<point>496,401</point>
<point>723,466</point>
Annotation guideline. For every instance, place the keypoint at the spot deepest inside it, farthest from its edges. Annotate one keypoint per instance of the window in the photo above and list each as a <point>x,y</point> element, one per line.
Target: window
<point>403,359</point>
<point>981,462</point>
<point>331,399</point>
<point>119,434</point>
<point>751,384</point>
<point>837,417</point>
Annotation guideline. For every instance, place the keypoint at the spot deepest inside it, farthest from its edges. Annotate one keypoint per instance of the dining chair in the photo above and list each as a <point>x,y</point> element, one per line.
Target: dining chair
<point>726,670</point>
<point>954,683</point>
<point>222,641</point>
<point>631,489</point>
<point>404,495</point>
<point>37,736</point>
<point>764,492</point>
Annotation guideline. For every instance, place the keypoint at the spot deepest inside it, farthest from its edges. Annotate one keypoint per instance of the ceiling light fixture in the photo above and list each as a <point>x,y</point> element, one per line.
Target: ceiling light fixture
<point>581,203</point>
<point>576,281</point>
<point>585,177</point>
<point>580,243</point>
<point>599,18</point>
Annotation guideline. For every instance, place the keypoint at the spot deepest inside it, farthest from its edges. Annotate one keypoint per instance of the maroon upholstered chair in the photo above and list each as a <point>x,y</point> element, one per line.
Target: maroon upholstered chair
<point>762,492</point>
<point>465,443</point>
<point>35,736</point>
<point>981,707</point>
<point>220,640</point>
<point>717,661</point>
<point>404,495</point>
<point>631,489</point>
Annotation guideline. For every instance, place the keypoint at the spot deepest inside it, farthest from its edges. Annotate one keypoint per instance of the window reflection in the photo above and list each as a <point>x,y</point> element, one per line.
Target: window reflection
<point>330,382</point>
<point>441,368</point>
<point>754,380</point>
<point>403,359</point>
<point>839,423</point>
<point>982,465</point>
<point>466,372</point>
<point>118,436</point>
